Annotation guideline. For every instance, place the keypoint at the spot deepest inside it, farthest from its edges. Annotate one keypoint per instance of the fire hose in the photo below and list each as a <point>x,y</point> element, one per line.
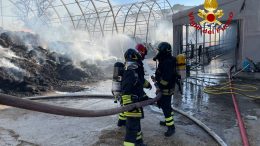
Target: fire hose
<point>239,118</point>
<point>51,109</point>
<point>238,89</point>
<point>64,111</point>
<point>234,89</point>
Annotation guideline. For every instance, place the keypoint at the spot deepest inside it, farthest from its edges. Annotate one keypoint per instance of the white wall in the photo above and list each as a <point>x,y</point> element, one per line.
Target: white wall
<point>249,29</point>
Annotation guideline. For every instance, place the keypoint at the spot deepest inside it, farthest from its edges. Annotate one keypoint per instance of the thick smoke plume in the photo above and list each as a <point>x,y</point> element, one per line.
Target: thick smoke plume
<point>163,32</point>
<point>79,46</point>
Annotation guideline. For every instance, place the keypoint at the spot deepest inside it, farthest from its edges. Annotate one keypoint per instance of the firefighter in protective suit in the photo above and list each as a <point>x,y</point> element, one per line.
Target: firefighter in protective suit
<point>142,52</point>
<point>165,78</point>
<point>132,91</point>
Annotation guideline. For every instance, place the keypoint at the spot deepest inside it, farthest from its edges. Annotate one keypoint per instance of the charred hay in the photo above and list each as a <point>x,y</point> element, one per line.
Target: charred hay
<point>39,70</point>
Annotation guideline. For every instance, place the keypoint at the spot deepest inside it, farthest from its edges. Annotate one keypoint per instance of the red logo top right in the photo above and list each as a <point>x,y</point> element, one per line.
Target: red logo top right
<point>210,15</point>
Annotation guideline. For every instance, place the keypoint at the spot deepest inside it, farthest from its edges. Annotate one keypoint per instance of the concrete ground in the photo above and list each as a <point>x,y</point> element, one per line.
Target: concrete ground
<point>26,128</point>
<point>217,111</point>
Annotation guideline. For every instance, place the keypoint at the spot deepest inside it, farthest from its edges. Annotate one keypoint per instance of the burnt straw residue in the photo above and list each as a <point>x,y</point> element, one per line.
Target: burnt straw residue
<point>27,68</point>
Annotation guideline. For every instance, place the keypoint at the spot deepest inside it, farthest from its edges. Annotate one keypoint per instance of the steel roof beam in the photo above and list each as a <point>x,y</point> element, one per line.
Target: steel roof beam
<point>98,17</point>
<point>65,6</point>
<point>83,15</point>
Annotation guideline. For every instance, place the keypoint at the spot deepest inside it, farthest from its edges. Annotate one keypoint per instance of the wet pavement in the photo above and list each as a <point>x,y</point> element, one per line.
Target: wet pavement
<point>22,127</point>
<point>217,111</point>
<point>51,130</point>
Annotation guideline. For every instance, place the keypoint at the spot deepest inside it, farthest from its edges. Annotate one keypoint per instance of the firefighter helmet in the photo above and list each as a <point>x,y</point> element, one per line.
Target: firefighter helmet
<point>164,49</point>
<point>132,55</point>
<point>142,50</point>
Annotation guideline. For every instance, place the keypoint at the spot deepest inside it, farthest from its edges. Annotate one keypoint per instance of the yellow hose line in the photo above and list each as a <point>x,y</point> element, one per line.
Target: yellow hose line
<point>238,89</point>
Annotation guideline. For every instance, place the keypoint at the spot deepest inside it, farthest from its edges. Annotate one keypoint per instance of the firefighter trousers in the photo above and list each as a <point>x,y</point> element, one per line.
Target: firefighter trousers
<point>165,104</point>
<point>133,132</point>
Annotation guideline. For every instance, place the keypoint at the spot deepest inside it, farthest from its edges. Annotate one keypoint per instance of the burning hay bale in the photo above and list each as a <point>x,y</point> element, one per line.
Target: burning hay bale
<point>31,69</point>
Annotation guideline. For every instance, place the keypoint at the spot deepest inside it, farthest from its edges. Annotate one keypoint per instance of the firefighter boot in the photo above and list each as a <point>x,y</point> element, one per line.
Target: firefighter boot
<point>170,131</point>
<point>162,123</point>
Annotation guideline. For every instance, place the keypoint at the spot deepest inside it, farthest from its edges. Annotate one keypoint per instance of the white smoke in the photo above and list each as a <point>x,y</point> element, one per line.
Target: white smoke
<point>6,52</point>
<point>163,32</point>
<point>78,46</point>
<point>14,71</point>
<point>7,64</point>
<point>117,44</point>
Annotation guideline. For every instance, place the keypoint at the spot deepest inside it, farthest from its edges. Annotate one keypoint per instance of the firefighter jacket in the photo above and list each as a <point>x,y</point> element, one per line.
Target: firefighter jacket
<point>166,75</point>
<point>132,89</point>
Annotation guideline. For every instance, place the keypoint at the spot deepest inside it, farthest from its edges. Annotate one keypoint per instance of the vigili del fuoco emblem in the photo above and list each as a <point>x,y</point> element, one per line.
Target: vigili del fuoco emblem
<point>211,14</point>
